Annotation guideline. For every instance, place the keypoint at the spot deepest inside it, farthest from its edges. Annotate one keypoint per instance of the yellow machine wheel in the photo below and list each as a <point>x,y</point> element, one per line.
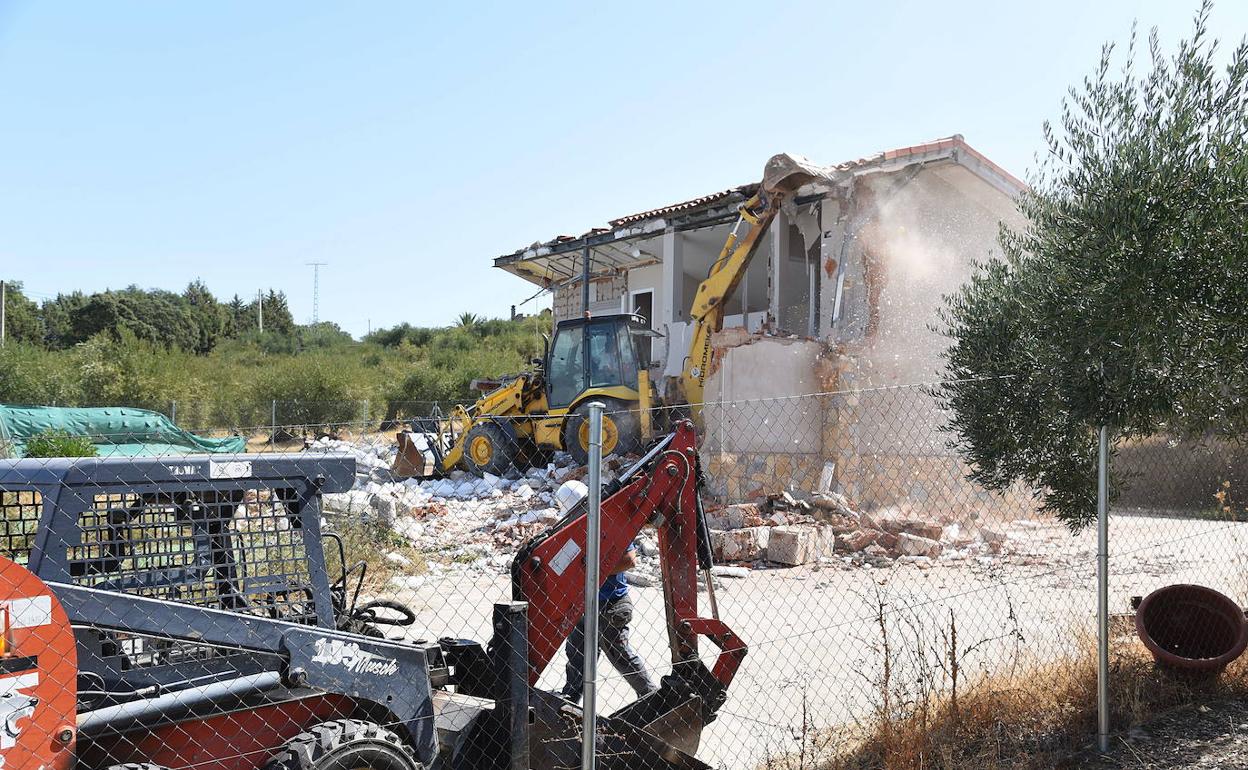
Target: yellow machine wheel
<point>621,430</point>
<point>488,448</point>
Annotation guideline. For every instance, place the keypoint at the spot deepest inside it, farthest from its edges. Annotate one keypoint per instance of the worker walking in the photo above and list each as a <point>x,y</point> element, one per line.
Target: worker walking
<point>615,613</point>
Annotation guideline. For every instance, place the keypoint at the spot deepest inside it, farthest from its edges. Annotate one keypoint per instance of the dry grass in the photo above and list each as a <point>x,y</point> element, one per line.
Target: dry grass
<point>371,543</point>
<point>1025,714</point>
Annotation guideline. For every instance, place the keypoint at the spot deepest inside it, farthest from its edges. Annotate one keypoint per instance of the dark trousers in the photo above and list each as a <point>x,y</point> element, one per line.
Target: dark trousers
<point>613,619</point>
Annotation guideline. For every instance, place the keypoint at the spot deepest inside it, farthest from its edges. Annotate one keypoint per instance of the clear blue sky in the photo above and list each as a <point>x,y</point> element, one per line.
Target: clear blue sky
<point>407,144</point>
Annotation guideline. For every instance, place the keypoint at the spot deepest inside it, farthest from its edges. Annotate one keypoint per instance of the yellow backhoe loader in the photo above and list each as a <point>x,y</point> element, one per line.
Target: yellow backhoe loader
<point>532,414</point>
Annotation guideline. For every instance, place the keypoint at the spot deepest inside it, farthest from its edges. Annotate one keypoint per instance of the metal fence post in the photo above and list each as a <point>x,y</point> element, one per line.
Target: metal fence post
<point>511,626</point>
<point>1102,590</point>
<point>173,412</point>
<point>593,536</point>
<point>273,423</point>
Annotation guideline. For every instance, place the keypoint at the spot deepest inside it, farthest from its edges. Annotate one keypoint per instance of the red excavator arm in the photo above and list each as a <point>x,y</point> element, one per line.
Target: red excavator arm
<point>549,572</point>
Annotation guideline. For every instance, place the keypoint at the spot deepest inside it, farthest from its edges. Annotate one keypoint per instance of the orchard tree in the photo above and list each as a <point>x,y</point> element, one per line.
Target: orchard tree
<point>1124,300</point>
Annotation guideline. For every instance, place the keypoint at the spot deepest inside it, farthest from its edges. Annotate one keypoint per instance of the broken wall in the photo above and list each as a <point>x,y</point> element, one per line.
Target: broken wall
<point>752,438</point>
<point>913,238</point>
<point>886,257</point>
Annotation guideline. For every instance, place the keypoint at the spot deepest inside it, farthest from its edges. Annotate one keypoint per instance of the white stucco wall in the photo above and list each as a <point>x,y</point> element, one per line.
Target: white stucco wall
<point>746,416</point>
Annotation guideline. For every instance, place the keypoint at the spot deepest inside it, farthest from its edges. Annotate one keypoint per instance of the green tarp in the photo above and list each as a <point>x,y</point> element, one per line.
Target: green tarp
<point>116,431</point>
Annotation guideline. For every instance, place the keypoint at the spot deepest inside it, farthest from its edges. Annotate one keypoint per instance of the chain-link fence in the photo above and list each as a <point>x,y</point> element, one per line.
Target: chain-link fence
<point>338,595</point>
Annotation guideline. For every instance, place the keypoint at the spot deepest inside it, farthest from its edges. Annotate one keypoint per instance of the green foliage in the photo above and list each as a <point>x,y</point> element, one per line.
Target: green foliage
<point>58,443</point>
<point>1123,301</point>
<point>21,322</point>
<point>193,321</point>
<point>397,335</point>
<point>149,349</point>
<point>312,391</point>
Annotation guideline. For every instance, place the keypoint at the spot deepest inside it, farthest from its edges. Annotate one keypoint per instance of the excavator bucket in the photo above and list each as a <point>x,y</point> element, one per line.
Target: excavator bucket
<point>785,173</point>
<point>667,742</point>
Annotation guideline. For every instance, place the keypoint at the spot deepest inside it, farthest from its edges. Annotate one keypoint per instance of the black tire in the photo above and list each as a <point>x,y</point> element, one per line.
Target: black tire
<point>345,744</point>
<point>500,455</point>
<point>620,426</point>
<point>532,456</point>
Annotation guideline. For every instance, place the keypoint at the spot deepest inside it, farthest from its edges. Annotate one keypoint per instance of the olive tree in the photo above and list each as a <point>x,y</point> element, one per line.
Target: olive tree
<point>1124,299</point>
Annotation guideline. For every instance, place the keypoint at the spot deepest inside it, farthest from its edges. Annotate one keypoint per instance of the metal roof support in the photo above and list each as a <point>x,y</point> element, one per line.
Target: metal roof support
<point>585,281</point>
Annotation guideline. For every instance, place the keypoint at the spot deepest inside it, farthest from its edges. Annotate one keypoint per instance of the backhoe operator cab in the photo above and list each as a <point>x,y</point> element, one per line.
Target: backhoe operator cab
<point>533,414</point>
<point>598,359</point>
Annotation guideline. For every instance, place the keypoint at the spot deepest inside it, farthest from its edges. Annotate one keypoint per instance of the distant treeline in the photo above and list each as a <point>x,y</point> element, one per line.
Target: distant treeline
<point>194,321</point>
<point>152,348</point>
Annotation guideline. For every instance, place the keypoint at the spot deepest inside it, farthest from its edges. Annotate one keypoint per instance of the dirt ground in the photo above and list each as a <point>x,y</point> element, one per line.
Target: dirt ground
<point>816,647</point>
<point>1205,735</point>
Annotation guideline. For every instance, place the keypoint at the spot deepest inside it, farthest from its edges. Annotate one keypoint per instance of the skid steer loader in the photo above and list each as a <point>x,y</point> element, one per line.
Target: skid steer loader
<point>196,613</point>
<point>534,413</point>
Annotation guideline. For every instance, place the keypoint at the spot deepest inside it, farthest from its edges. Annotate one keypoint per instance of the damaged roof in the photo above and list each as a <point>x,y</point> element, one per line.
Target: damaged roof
<point>549,263</point>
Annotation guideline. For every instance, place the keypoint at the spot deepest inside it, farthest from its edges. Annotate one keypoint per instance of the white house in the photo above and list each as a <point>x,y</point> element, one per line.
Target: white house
<point>842,294</point>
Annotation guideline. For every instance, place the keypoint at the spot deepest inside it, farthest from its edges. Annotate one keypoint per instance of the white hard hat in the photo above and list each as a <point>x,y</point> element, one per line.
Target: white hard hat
<point>569,494</point>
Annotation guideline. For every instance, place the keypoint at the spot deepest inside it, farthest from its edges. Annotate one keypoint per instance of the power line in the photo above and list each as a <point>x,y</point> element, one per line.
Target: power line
<point>316,290</point>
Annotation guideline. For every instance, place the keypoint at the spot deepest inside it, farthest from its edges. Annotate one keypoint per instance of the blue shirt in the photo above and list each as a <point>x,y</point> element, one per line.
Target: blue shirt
<point>615,587</point>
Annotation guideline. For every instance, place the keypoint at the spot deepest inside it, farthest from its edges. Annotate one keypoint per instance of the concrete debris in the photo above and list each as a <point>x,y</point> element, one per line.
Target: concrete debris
<point>858,540</point>
<point>914,545</point>
<point>746,544</point>
<point>464,524</point>
<point>806,528</point>
<point>398,559</point>
<point>737,516</point>
<point>799,545</point>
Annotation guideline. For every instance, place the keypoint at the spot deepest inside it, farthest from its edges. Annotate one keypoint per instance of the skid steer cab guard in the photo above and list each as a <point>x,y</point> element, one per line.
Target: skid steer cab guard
<point>527,417</point>
<point>182,612</point>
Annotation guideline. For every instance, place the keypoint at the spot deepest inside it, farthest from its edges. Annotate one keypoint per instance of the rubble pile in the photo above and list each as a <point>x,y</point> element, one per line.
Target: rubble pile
<point>792,529</point>
<point>463,523</point>
<point>474,525</point>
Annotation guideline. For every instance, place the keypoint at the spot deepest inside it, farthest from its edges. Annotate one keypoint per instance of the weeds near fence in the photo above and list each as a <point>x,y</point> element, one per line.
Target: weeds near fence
<point>1031,714</point>
<point>387,554</point>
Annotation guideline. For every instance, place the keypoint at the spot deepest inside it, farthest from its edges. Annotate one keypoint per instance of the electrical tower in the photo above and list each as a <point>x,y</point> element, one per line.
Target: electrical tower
<point>316,291</point>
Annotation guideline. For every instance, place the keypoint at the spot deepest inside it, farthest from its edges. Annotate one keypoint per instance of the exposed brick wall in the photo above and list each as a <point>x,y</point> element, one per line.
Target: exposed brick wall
<point>567,302</point>
<point>612,288</point>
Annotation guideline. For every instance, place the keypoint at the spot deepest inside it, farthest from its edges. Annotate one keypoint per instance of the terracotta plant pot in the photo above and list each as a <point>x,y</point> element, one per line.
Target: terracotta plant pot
<point>1192,628</point>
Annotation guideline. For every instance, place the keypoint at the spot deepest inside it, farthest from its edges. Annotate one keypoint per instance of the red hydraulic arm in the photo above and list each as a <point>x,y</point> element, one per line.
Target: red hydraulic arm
<point>549,572</point>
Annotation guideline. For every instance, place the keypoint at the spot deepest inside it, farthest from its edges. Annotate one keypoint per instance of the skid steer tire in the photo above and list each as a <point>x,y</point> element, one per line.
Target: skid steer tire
<point>489,448</point>
<point>345,744</point>
<point>621,430</point>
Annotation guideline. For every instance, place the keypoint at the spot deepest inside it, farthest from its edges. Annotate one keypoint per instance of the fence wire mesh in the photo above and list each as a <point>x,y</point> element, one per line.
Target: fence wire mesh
<point>333,595</point>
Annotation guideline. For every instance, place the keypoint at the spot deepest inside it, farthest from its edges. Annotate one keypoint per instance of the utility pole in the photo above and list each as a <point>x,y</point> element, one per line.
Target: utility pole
<point>3,302</point>
<point>316,290</point>
<point>260,309</point>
